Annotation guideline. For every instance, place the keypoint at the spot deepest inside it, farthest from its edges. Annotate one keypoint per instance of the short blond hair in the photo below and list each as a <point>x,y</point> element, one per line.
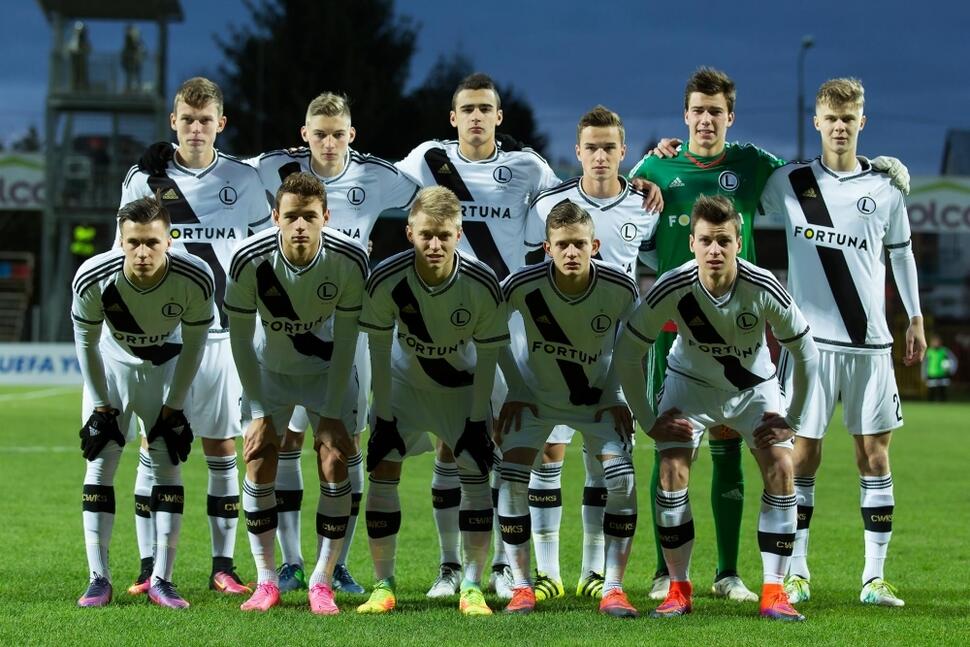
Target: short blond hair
<point>600,117</point>
<point>329,104</point>
<point>438,203</point>
<point>847,91</point>
<point>197,92</point>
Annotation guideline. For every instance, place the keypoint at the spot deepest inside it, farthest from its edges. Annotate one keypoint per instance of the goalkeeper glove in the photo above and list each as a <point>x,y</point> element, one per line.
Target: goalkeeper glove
<point>383,438</point>
<point>101,427</point>
<point>475,439</point>
<point>896,170</point>
<point>177,434</point>
<point>155,159</point>
<point>508,143</point>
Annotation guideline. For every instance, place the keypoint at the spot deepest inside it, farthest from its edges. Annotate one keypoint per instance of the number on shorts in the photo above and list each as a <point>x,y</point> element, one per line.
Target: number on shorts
<point>899,414</point>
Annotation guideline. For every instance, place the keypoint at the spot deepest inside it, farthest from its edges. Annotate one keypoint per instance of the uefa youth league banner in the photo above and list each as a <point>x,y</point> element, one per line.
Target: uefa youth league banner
<point>29,364</point>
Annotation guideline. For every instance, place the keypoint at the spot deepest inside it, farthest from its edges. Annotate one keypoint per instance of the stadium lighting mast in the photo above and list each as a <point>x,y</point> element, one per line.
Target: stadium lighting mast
<point>807,42</point>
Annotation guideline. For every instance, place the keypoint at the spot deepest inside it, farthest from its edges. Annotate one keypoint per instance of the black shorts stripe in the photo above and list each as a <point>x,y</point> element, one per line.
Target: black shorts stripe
<point>834,264</point>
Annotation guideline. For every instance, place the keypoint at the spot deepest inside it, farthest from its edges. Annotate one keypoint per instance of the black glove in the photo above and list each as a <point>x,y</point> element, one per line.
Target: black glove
<point>383,438</point>
<point>177,434</point>
<point>101,427</point>
<point>508,143</point>
<point>155,159</point>
<point>476,440</point>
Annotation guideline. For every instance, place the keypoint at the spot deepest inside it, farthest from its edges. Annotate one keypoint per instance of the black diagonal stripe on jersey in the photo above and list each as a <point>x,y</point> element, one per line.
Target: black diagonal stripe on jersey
<point>706,333</point>
<point>274,297</point>
<point>833,260</point>
<point>580,392</point>
<point>438,369</point>
<point>289,169</point>
<point>181,212</point>
<point>479,237</point>
<point>116,311</point>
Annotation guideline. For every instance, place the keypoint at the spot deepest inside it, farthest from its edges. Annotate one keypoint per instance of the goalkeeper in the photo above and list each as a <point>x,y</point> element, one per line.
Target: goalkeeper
<point>158,304</point>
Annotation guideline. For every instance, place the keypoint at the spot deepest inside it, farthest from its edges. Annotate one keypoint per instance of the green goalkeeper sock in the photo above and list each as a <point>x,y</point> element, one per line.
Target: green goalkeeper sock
<point>727,502</point>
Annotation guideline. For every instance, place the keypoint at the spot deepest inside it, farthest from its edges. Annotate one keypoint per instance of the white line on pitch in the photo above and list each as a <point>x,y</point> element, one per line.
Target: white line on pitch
<point>41,393</point>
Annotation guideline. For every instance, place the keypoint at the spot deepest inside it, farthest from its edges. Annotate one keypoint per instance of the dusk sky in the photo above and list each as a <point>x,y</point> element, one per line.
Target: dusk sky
<point>634,57</point>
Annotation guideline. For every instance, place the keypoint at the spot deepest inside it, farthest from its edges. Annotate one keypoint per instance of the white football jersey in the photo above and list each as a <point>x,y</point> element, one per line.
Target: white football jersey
<point>356,197</point>
<point>839,227</point>
<point>212,209</point>
<point>720,341</point>
<point>495,194</point>
<point>143,326</point>
<point>623,228</point>
<point>434,328</point>
<point>569,339</point>
<point>295,305</point>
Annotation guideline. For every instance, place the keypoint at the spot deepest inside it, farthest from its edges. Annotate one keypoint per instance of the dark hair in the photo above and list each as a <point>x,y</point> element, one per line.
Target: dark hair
<point>568,213</point>
<point>715,209</point>
<point>143,211</point>
<point>600,117</point>
<point>476,81</point>
<point>305,185</point>
<point>709,81</point>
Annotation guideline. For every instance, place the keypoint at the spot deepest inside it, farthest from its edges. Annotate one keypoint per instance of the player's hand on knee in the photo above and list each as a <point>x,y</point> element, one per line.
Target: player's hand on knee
<point>476,441</point>
<point>622,420</point>
<point>384,437</point>
<point>175,430</point>
<point>332,433</point>
<point>773,429</point>
<point>154,160</point>
<point>511,415</point>
<point>101,427</point>
<point>669,428</point>
<point>260,435</point>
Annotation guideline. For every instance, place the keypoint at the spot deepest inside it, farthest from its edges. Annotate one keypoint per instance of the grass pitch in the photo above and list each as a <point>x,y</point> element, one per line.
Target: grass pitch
<point>43,570</point>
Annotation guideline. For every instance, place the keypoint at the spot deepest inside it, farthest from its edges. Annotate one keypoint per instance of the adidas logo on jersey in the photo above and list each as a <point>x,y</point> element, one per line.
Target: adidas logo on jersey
<point>543,319</point>
<point>114,307</point>
<point>809,193</point>
<point>271,292</point>
<point>444,168</point>
<point>695,322</point>
<point>676,183</point>
<point>408,309</point>
<point>170,194</point>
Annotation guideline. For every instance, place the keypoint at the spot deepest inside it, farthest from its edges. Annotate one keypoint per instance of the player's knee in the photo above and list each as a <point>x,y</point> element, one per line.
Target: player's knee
<point>674,474</point>
<point>621,484</point>
<point>873,463</point>
<point>779,477</point>
<point>292,441</point>
<point>101,471</point>
<point>444,454</point>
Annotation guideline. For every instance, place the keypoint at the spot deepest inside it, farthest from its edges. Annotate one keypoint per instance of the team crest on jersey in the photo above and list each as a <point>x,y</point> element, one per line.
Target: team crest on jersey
<point>600,324</point>
<point>866,205</point>
<point>172,310</point>
<point>327,291</point>
<point>460,318</point>
<point>502,175</point>
<point>228,195</point>
<point>629,231</point>
<point>746,321</point>
<point>356,195</point>
<point>728,180</point>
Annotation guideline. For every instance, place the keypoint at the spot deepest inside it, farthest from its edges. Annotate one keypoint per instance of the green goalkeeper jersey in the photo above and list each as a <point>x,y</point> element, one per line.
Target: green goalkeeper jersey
<point>739,173</point>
